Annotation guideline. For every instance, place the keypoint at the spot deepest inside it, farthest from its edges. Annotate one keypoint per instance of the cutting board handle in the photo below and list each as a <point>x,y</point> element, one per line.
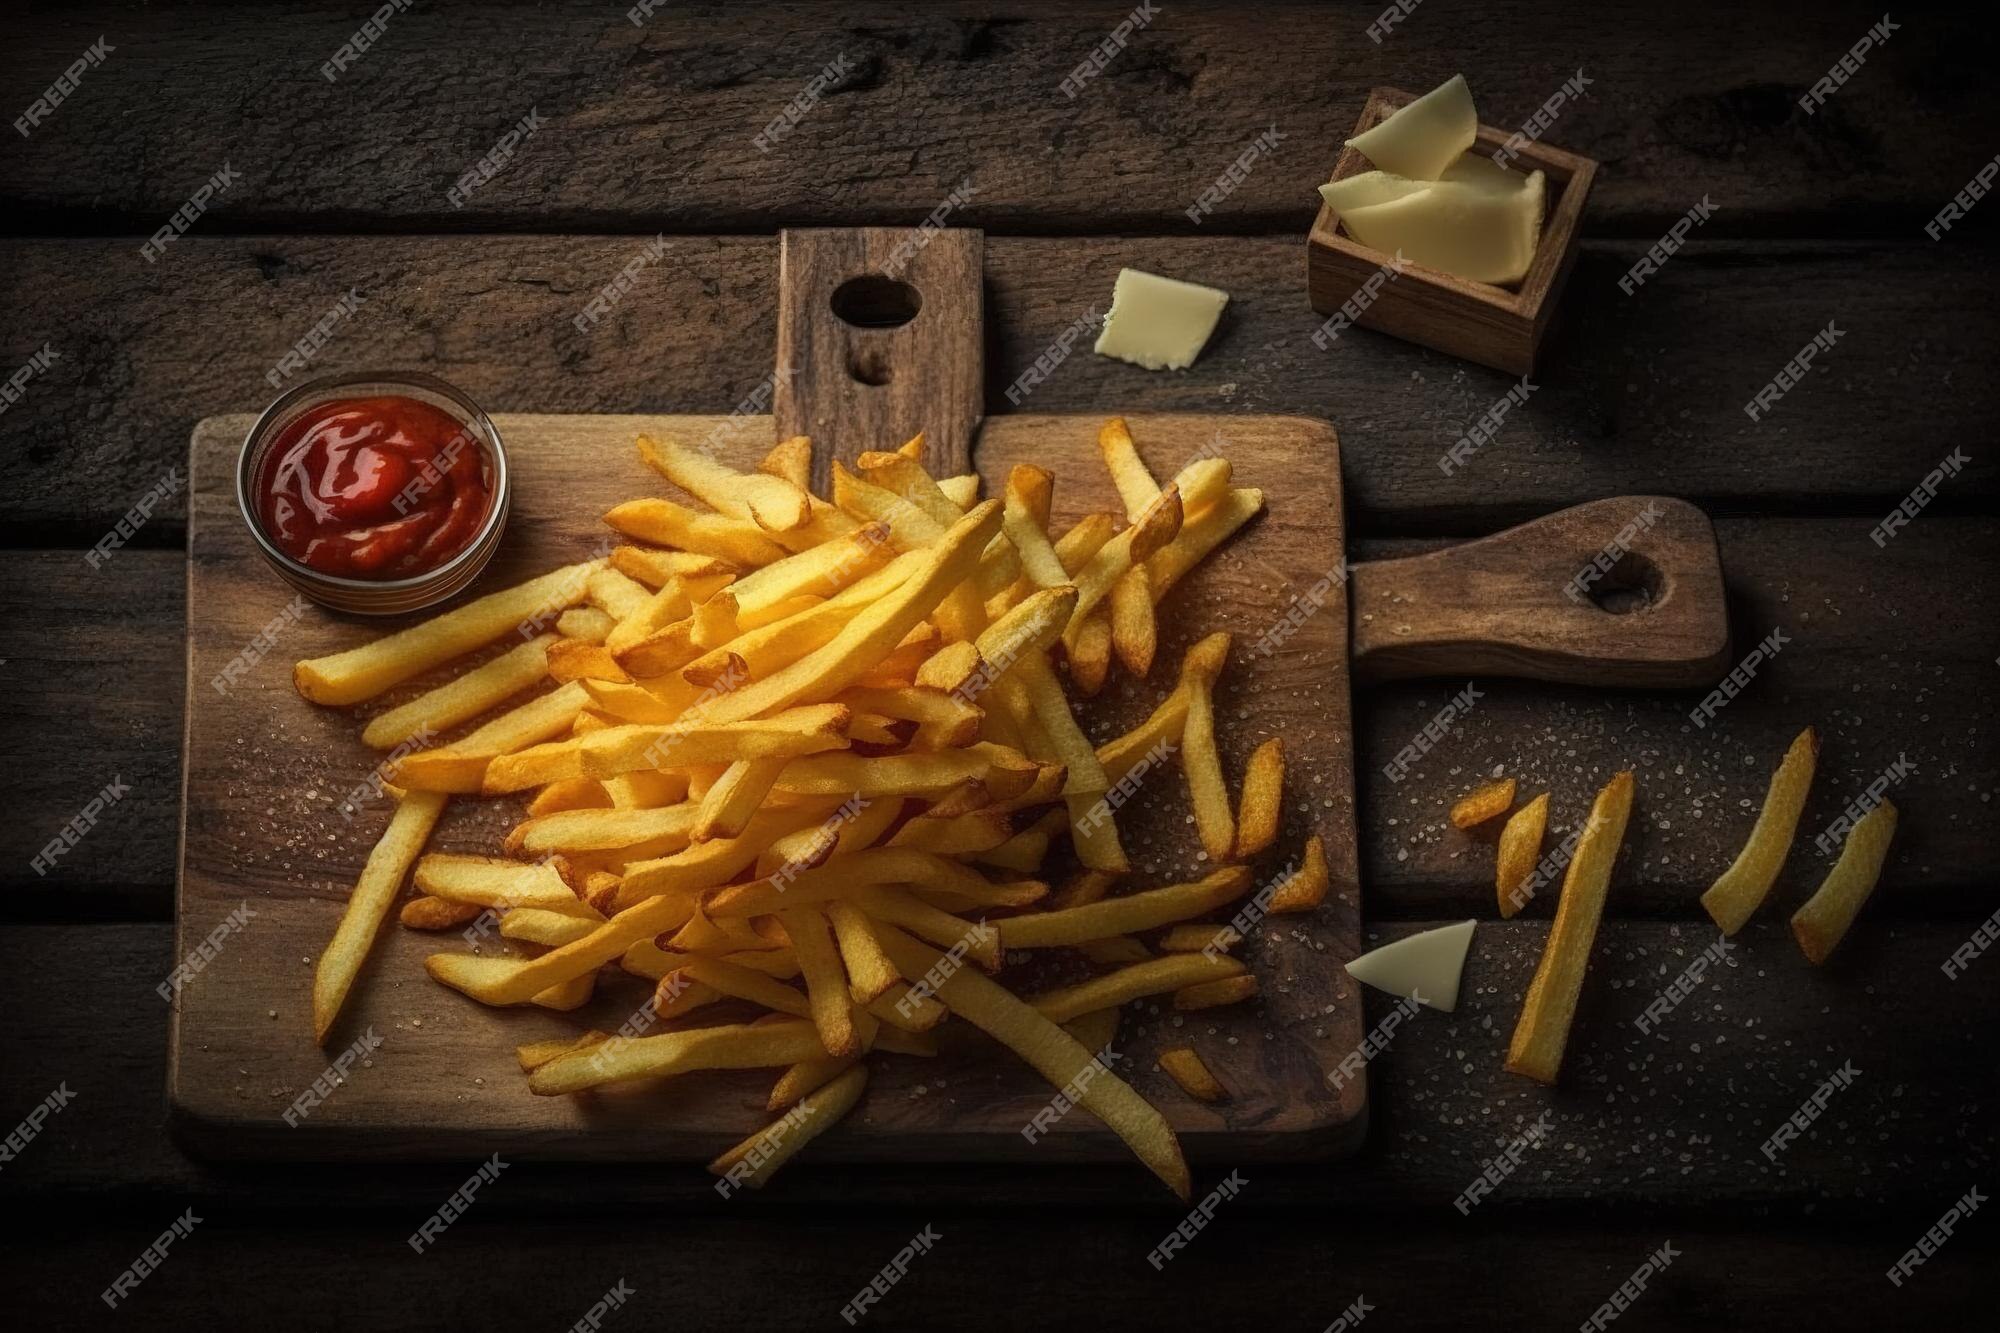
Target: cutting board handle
<point>881,335</point>
<point>1521,602</point>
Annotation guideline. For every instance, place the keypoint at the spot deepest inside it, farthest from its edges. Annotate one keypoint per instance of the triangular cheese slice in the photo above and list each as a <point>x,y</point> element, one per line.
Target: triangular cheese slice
<point>1426,136</point>
<point>1367,189</point>
<point>1426,965</point>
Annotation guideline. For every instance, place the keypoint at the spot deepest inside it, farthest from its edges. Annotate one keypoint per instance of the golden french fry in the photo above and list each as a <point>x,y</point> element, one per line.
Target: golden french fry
<point>1306,887</point>
<point>618,595</point>
<point>704,865</point>
<point>364,672</point>
<point>894,908</point>
<point>826,979</point>
<point>461,767</point>
<point>1084,888</point>
<point>734,798</point>
<point>541,925</point>
<point>1118,951</point>
<point>1026,515</point>
<point>1260,806</point>
<point>1134,633</point>
<point>1136,488</point>
<point>736,540</point>
<point>870,974</point>
<point>1090,656</point>
<point>1057,1056</point>
<point>1184,1067</point>
<point>518,981</point>
<point>381,880</point>
<point>805,1076</point>
<point>1200,536</point>
<point>464,698</point>
<point>1214,994</point>
<point>755,1160</point>
<point>1144,910</point>
<point>632,833</point>
<point>1543,1029</point>
<point>1520,849</point>
<point>1823,921</point>
<point>772,503</point>
<point>1197,937</point>
<point>1483,803</point>
<point>428,913</point>
<point>791,459</point>
<point>535,1054</point>
<point>1733,897</point>
<point>1201,761</point>
<point>487,881</point>
<point>573,794</point>
<point>730,1046</point>
<point>655,568</point>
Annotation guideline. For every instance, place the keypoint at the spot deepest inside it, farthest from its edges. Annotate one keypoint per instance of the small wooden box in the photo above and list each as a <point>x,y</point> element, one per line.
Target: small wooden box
<point>1495,326</point>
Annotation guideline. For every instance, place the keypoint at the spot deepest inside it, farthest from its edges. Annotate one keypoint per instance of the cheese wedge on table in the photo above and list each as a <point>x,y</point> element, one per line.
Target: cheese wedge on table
<point>1426,966</point>
<point>1426,136</point>
<point>1159,323</point>
<point>1474,231</point>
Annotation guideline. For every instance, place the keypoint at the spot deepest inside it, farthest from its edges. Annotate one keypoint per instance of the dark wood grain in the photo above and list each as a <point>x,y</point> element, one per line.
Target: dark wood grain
<point>266,774</point>
<point>653,126</point>
<point>1639,395</point>
<point>854,388</point>
<point>753,1271</point>
<point>1666,1125</point>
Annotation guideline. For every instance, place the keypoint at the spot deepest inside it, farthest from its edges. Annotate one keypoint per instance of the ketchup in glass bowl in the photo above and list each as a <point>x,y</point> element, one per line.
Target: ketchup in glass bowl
<point>378,493</point>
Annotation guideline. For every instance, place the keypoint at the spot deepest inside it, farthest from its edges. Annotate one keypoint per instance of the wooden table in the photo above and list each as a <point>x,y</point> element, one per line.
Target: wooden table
<point>646,129</point>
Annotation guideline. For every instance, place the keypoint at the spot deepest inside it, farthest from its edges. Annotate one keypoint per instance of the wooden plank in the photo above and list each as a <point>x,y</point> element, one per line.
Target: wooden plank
<point>1644,1126</point>
<point>654,125</point>
<point>744,1268</point>
<point>265,823</point>
<point>1878,662</point>
<point>1638,396</point>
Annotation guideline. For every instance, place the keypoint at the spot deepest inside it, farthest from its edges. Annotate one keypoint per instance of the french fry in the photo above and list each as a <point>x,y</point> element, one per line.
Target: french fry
<point>869,972</point>
<point>1084,888</point>
<point>540,925</point>
<point>738,541</point>
<point>1200,536</point>
<point>1145,910</point>
<point>772,503</point>
<point>1150,532</point>
<point>381,880</point>
<point>1089,656</point>
<point>464,698</point>
<point>755,1160</point>
<point>1482,803</point>
<point>1201,761</point>
<point>617,595</point>
<point>1214,994</point>
<point>1520,849</point>
<point>487,881</point>
<point>1184,1067</point>
<point>1158,976</point>
<point>573,794</point>
<point>1305,888</point>
<point>962,491</point>
<point>1026,509</point>
<point>792,460</point>
<point>826,979</point>
<point>1732,898</point>
<point>1136,488</point>
<point>734,798</point>
<point>704,865</point>
<point>1056,1055</point>
<point>1199,937</point>
<point>428,913</point>
<point>1543,1030</point>
<point>533,1055</point>
<point>1118,951</point>
<point>517,982</point>
<point>461,767</point>
<point>805,1076</point>
<point>633,833</point>
<point>894,908</point>
<point>730,1046</point>
<point>654,568</point>
<point>1134,633</point>
<point>1823,921</point>
<point>1260,805</point>
<point>364,672</point>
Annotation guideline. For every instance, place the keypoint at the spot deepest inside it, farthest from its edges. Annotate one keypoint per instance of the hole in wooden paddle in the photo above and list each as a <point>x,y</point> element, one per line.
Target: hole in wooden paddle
<point>1633,584</point>
<point>876,302</point>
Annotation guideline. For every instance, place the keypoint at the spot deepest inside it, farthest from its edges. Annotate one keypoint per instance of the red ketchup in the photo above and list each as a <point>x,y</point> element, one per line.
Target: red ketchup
<point>374,488</point>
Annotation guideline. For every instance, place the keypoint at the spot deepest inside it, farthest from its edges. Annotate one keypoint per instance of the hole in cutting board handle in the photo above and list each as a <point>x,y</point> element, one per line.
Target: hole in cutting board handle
<point>1633,584</point>
<point>874,301</point>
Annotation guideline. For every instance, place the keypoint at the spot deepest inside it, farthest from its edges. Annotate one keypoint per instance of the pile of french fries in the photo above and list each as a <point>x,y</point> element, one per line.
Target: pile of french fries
<point>814,754</point>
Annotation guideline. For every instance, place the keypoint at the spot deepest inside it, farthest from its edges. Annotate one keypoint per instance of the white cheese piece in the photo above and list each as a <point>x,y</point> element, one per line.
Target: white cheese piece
<point>1475,231</point>
<point>1368,188</point>
<point>1159,323</point>
<point>1426,966</point>
<point>1426,136</point>
<point>1484,173</point>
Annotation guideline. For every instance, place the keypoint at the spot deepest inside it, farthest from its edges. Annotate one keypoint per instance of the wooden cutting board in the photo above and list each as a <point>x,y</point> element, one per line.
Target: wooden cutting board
<point>267,774</point>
